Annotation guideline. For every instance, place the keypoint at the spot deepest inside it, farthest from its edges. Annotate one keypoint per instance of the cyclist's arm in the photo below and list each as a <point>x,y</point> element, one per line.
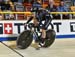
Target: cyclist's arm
<point>29,19</point>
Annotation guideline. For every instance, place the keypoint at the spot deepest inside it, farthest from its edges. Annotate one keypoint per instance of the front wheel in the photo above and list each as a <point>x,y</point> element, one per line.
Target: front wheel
<point>25,39</point>
<point>50,37</point>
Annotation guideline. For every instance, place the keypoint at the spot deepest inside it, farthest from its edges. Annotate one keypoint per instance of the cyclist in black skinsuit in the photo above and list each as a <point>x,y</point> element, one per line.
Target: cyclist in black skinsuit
<point>41,15</point>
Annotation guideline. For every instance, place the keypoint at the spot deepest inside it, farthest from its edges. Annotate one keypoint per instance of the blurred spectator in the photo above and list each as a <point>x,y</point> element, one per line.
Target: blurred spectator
<point>8,8</point>
<point>20,1</point>
<point>36,4</point>
<point>1,1</point>
<point>19,8</point>
<point>62,8</point>
<point>73,2</point>
<point>52,8</point>
<point>12,5</point>
<point>1,15</point>
<point>72,8</point>
<point>2,5</point>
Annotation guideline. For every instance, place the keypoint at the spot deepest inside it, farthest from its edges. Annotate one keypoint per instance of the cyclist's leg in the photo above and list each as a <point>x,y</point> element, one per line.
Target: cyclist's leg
<point>43,36</point>
<point>44,28</point>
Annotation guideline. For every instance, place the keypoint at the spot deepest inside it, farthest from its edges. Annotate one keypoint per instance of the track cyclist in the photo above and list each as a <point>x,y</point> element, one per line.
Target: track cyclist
<point>40,15</point>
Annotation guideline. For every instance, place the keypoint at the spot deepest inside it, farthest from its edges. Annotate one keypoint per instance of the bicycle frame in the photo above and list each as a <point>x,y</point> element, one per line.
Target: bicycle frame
<point>33,30</point>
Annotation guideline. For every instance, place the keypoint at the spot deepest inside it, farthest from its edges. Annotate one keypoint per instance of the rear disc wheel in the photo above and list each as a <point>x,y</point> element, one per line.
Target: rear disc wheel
<point>50,37</point>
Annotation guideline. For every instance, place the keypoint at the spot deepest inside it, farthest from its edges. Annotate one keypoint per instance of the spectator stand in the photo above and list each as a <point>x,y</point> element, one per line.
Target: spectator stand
<point>28,7</point>
<point>19,8</point>
<point>6,7</point>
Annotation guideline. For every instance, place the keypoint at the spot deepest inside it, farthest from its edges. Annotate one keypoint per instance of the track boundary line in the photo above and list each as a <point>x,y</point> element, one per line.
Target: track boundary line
<point>13,49</point>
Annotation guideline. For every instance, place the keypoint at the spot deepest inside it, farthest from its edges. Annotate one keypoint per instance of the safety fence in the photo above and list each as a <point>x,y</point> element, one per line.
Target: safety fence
<point>31,13</point>
<point>71,14</point>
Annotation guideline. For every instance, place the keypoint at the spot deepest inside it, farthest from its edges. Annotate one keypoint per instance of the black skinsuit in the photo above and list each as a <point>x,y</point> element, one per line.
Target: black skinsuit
<point>41,15</point>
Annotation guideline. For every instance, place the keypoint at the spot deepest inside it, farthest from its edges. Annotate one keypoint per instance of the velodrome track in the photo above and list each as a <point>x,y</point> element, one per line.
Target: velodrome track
<point>60,48</point>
